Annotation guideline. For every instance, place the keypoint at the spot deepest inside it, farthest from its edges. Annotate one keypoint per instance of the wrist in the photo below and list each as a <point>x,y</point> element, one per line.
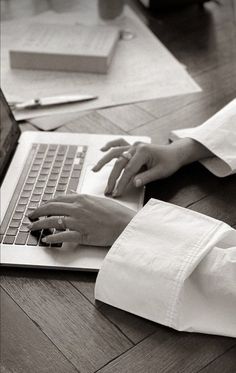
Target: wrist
<point>189,150</point>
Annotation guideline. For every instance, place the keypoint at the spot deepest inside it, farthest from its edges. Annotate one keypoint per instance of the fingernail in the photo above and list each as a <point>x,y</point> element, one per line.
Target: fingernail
<point>29,226</point>
<point>103,149</point>
<point>115,193</point>
<point>44,239</point>
<point>94,168</point>
<point>138,182</point>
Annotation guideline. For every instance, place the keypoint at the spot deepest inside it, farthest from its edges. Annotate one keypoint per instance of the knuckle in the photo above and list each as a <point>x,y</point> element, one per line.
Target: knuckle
<point>119,161</point>
<point>128,170</point>
<point>137,143</point>
<point>141,148</point>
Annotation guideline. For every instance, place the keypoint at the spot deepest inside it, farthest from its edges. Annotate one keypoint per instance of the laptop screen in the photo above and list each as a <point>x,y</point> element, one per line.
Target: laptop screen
<point>9,134</point>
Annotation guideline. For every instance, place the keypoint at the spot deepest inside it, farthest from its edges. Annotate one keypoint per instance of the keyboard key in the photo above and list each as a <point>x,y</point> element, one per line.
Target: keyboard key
<point>73,184</point>
<point>76,174</point>
<point>1,238</point>
<point>23,201</point>
<point>44,172</point>
<point>42,178</point>
<point>38,191</point>
<point>20,208</point>
<point>33,174</point>
<point>33,205</point>
<point>35,198</point>
<point>53,177</point>
<point>55,171</point>
<point>26,194</point>
<point>51,183</point>
<point>21,238</point>
<point>47,197</point>
<point>40,184</point>
<point>35,168</point>
<point>9,240</point>
<point>37,162</point>
<point>39,156</point>
<point>78,167</point>
<point>18,216</point>
<point>14,224</point>
<point>62,149</point>
<point>42,148</point>
<point>49,190</point>
<point>28,187</point>
<point>63,180</point>
<point>59,158</point>
<point>12,231</point>
<point>26,221</point>
<point>30,180</point>
<point>61,188</point>
<point>65,174</point>
<point>24,228</point>
<point>66,168</point>
<point>33,240</point>
<point>57,194</point>
<point>52,147</point>
<point>46,166</point>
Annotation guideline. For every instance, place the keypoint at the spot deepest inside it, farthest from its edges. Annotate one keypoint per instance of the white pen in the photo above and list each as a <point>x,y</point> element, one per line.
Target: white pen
<point>53,100</point>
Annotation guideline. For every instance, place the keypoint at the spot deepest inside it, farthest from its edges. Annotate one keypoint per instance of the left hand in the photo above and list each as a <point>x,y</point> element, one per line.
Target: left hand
<point>86,219</point>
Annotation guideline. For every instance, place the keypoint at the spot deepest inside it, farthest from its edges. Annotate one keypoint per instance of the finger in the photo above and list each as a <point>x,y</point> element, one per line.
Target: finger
<point>115,174</point>
<point>114,143</point>
<point>52,222</point>
<point>114,153</point>
<point>52,208</point>
<point>132,168</point>
<point>147,176</point>
<point>67,236</point>
<point>67,198</point>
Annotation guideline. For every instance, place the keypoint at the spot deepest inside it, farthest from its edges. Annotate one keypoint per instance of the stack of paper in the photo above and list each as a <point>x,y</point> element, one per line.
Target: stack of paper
<point>64,47</point>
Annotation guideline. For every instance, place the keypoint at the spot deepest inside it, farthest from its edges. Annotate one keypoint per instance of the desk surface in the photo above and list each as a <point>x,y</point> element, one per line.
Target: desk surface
<point>50,321</point>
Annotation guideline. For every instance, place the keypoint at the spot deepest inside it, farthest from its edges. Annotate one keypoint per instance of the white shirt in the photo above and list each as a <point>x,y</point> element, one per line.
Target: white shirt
<point>175,266</point>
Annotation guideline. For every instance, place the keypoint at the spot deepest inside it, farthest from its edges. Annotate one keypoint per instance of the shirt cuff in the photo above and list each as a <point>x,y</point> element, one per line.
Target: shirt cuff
<point>218,134</point>
<point>146,268</point>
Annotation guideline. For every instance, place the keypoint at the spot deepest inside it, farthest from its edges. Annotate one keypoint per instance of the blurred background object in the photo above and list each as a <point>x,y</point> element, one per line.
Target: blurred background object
<point>110,9</point>
<point>170,4</point>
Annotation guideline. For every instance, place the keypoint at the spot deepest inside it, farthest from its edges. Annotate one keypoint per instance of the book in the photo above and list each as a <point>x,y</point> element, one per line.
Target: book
<point>55,47</point>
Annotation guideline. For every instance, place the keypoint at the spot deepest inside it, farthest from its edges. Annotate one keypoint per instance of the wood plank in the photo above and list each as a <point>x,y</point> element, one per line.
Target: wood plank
<point>126,117</point>
<point>19,354</point>
<point>223,364</point>
<point>135,328</point>
<point>169,351</point>
<point>92,123</point>
<point>188,185</point>
<point>221,204</point>
<point>85,337</point>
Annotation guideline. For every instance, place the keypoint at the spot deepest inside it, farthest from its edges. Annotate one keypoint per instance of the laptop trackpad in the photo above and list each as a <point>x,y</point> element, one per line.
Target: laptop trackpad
<point>95,183</point>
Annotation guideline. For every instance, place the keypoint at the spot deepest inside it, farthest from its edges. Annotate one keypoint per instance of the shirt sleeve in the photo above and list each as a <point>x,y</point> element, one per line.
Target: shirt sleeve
<point>175,267</point>
<point>218,134</point>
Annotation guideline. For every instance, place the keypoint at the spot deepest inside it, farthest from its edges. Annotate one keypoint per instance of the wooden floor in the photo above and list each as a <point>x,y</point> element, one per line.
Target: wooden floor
<point>50,321</point>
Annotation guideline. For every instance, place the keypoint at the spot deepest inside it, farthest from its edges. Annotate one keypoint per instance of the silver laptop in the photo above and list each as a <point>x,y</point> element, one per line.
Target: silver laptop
<point>37,166</point>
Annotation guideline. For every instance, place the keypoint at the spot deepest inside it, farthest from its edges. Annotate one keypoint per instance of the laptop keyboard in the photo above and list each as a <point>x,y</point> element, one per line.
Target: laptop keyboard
<point>50,170</point>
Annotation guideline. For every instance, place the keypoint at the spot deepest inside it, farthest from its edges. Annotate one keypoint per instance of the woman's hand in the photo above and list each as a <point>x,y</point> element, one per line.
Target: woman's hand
<point>87,220</point>
<point>159,161</point>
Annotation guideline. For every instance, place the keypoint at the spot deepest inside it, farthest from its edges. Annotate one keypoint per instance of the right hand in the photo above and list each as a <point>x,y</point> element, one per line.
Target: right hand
<point>159,161</point>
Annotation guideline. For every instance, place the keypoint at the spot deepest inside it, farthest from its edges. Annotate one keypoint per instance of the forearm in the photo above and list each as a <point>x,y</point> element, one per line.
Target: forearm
<point>189,150</point>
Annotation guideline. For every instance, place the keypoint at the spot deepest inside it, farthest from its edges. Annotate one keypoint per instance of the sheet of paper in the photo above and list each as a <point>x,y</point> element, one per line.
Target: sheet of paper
<point>142,69</point>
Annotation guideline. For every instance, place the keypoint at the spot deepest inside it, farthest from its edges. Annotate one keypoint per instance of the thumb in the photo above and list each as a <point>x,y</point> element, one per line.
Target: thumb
<point>146,177</point>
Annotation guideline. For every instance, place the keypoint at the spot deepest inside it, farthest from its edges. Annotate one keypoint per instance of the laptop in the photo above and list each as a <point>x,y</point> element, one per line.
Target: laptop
<point>37,166</point>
